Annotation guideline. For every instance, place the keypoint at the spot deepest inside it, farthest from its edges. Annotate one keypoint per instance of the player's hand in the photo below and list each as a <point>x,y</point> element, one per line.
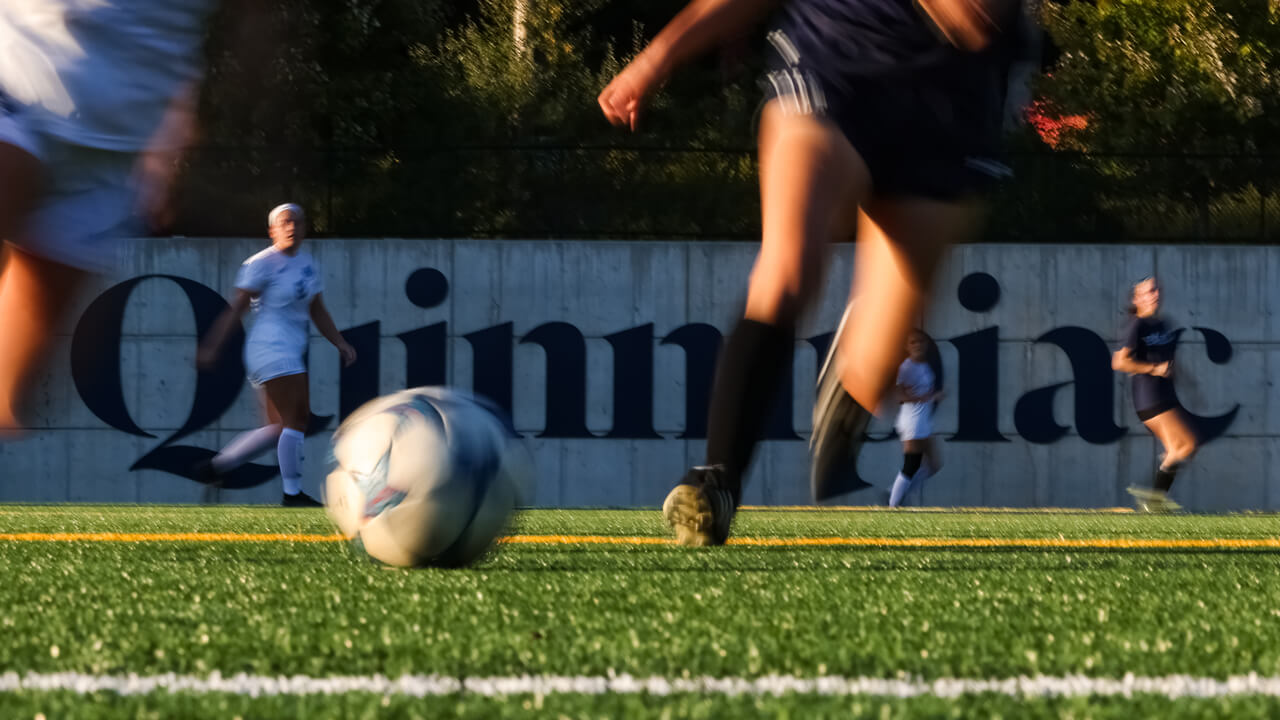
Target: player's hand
<point>347,354</point>
<point>626,95</point>
<point>1163,370</point>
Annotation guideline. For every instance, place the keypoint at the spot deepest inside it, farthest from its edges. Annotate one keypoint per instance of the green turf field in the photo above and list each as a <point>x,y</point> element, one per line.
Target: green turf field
<point>917,597</point>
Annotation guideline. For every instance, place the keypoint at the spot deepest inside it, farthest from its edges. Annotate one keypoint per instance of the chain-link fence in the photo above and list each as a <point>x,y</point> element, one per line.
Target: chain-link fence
<point>702,193</point>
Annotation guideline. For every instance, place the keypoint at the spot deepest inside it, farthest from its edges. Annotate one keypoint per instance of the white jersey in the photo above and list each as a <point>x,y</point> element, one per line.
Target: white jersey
<point>99,73</point>
<point>915,419</point>
<point>284,286</point>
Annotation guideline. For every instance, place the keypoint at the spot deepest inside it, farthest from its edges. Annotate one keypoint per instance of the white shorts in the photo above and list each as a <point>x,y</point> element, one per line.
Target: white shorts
<point>914,423</point>
<point>268,363</point>
<point>87,204</point>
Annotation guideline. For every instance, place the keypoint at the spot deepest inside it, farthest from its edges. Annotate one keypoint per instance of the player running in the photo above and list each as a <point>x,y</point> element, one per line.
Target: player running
<point>283,286</point>
<point>919,387</point>
<point>96,100</point>
<point>1147,356</point>
<point>881,117</point>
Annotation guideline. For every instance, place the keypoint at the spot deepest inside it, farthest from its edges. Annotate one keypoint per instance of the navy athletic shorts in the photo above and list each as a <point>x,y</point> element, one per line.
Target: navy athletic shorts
<point>933,133</point>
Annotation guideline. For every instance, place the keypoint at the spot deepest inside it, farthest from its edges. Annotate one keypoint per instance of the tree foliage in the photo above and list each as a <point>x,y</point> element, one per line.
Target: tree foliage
<point>416,117</point>
<point>1175,103</point>
<point>1157,119</point>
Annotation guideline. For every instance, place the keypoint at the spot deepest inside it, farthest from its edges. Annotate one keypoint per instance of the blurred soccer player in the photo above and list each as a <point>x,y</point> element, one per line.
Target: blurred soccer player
<point>95,102</point>
<point>873,122</point>
<point>919,388</point>
<point>1147,355</point>
<point>283,285</point>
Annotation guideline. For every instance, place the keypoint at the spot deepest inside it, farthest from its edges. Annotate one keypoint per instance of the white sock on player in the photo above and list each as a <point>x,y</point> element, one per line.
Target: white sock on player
<point>901,485</point>
<point>289,449</point>
<point>244,447</point>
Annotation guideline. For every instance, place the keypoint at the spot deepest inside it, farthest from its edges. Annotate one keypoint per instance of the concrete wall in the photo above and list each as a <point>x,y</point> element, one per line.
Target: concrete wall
<point>95,429</point>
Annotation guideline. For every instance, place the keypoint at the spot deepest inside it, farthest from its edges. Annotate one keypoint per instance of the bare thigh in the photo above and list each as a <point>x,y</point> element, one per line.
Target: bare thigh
<point>290,398</point>
<point>269,410</point>
<point>920,445</point>
<point>900,243</point>
<point>1173,432</point>
<point>811,182</point>
<point>928,447</point>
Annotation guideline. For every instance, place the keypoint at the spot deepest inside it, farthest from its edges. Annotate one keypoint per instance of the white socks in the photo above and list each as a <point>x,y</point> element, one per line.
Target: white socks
<point>901,485</point>
<point>289,449</point>
<point>244,447</point>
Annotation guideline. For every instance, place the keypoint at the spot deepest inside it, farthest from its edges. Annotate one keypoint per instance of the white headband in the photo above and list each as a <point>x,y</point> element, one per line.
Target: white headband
<point>289,207</point>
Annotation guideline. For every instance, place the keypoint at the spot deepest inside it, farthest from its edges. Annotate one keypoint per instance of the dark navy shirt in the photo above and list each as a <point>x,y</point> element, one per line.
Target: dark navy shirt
<point>1150,340</point>
<point>858,38</point>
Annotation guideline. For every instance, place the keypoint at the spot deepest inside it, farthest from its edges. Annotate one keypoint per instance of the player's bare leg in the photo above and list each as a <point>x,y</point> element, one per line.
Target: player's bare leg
<point>811,181</point>
<point>900,243</point>
<point>20,174</point>
<point>1179,443</point>
<point>35,293</point>
<point>290,396</point>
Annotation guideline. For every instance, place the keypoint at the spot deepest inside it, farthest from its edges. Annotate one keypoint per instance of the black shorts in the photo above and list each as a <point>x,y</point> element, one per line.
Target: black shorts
<point>931,134</point>
<point>1160,408</point>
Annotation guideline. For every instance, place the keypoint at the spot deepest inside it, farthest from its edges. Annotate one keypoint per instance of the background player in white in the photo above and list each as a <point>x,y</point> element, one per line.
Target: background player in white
<point>283,285</point>
<point>95,100</point>
<point>919,390</point>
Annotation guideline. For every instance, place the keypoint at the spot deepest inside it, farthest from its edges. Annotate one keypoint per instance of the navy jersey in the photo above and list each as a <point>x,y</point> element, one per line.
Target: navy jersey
<point>1150,340</point>
<point>860,38</point>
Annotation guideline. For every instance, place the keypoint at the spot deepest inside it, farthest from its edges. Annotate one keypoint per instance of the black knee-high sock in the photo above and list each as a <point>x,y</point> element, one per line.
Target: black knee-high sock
<point>1164,478</point>
<point>754,357</point>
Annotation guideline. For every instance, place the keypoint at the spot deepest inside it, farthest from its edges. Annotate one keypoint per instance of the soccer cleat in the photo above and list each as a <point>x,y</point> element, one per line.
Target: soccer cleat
<point>700,509</point>
<point>300,500</point>
<point>1150,500</point>
<point>838,426</point>
<point>203,473</point>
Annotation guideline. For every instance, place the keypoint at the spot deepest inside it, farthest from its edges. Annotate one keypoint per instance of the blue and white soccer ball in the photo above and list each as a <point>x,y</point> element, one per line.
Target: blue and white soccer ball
<point>426,477</point>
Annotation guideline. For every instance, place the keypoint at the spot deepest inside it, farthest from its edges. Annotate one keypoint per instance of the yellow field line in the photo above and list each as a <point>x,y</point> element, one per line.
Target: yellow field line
<point>919,542</point>
<point>975,510</point>
<point>871,542</point>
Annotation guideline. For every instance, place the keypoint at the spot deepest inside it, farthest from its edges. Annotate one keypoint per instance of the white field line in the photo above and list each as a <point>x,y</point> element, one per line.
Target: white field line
<point>1169,686</point>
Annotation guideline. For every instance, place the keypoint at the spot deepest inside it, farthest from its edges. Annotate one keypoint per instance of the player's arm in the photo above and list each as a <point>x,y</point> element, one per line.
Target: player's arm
<point>702,25</point>
<point>972,25</point>
<point>211,346</point>
<point>158,164</point>
<point>324,323</point>
<point>1122,361</point>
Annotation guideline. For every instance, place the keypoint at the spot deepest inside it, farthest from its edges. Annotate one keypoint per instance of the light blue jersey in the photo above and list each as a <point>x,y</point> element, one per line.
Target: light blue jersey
<point>99,73</point>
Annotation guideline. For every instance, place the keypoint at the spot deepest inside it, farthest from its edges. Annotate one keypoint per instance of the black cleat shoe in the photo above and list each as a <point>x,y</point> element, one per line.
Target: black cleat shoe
<point>700,509</point>
<point>838,426</point>
<point>300,500</point>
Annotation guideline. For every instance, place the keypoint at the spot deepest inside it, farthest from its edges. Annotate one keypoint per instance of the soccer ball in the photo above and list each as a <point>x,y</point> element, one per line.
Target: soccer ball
<point>425,477</point>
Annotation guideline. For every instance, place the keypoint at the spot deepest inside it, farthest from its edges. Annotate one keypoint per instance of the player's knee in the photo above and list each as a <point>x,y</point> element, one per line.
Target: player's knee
<point>775,304</point>
<point>780,290</point>
<point>297,419</point>
<point>911,463</point>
